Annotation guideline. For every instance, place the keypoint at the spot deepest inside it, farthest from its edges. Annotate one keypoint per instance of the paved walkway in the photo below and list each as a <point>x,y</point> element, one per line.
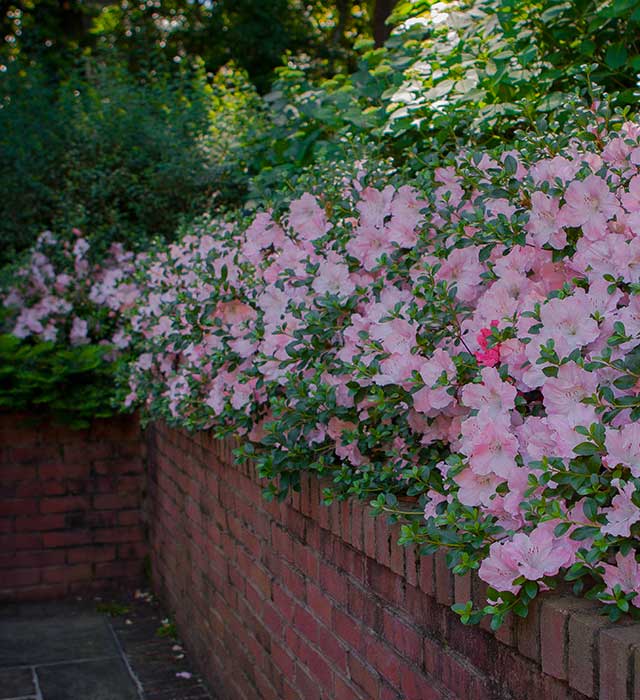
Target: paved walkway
<point>70,651</point>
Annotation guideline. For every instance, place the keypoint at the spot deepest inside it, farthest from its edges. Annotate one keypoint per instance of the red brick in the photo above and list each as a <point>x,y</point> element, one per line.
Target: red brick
<point>67,574</point>
<point>332,649</point>
<point>444,580</point>
<point>427,574</point>
<point>411,565</point>
<point>40,523</point>
<point>20,577</point>
<point>134,550</point>
<point>364,677</point>
<point>306,686</point>
<point>64,504</point>
<point>397,551</point>
<point>118,466</point>
<point>32,454</point>
<point>584,629</point>
<point>115,501</point>
<point>319,604</point>
<point>129,517</point>
<point>64,470</point>
<point>416,686</point>
<point>118,534</point>
<point>617,661</point>
<point>28,559</point>
<point>16,542</point>
<point>334,584</point>
<point>554,619</point>
<point>357,515</point>
<point>18,506</point>
<point>17,472</point>
<point>119,569</point>
<point>345,521</point>
<point>54,488</point>
<point>383,659</point>
<point>528,632</point>
<point>385,583</point>
<point>39,592</point>
<point>82,555</point>
<point>305,624</point>
<point>346,691</point>
<point>317,666</point>
<point>348,630</point>
<point>84,453</point>
<point>383,550</point>
<point>403,637</point>
<point>369,533</point>
<point>118,430</point>
<point>68,538</point>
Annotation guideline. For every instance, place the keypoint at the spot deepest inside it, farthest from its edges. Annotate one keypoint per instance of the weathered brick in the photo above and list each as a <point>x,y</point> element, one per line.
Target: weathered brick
<point>617,659</point>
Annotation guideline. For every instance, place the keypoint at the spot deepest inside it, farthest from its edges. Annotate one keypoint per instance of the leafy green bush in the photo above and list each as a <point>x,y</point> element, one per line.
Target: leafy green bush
<point>75,383</point>
<point>453,73</point>
<point>119,156</point>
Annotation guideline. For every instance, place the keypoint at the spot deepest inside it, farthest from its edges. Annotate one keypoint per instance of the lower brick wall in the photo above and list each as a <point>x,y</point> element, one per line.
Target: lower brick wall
<point>70,507</point>
<point>299,601</point>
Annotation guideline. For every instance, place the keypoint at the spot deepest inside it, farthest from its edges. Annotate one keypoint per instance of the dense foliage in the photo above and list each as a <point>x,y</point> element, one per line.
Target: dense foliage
<point>123,158</point>
<point>419,279</point>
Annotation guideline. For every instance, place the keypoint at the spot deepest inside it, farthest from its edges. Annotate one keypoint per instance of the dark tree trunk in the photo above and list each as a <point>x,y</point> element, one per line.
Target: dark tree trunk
<point>382,9</point>
<point>343,8</point>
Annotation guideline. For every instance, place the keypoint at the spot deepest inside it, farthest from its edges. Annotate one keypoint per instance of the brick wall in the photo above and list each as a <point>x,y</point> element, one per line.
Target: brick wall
<point>298,601</point>
<point>70,507</point>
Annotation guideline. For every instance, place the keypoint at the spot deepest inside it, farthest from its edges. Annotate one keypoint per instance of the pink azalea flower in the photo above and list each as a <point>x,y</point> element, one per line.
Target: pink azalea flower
<point>623,447</point>
<point>397,369</point>
<point>307,218</point>
<point>624,573</point>
<point>490,446</point>
<point>589,203</point>
<point>463,268</point>
<point>79,332</point>
<point>543,226</point>
<point>563,394</point>
<point>432,397</point>
<point>406,216</point>
<point>374,206</point>
<point>333,277</point>
<point>500,568</point>
<point>623,512</point>
<point>487,356</point>
<point>493,398</point>
<point>368,245</point>
<point>476,489</point>
<point>540,554</point>
<point>568,322</point>
<point>396,336</point>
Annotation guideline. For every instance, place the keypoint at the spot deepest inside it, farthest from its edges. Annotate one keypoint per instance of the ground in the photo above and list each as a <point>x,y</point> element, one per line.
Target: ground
<point>93,650</point>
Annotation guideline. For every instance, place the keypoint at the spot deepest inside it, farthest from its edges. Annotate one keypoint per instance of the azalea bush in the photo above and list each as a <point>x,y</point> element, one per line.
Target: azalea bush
<point>462,350</point>
<point>62,330</point>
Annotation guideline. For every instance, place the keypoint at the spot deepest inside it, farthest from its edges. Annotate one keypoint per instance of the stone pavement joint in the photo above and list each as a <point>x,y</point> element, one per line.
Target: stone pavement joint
<point>69,651</point>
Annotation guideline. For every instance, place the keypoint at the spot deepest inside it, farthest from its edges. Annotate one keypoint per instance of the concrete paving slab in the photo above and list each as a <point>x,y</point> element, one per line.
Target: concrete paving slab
<point>16,683</point>
<point>52,640</point>
<point>106,679</point>
<point>80,653</point>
